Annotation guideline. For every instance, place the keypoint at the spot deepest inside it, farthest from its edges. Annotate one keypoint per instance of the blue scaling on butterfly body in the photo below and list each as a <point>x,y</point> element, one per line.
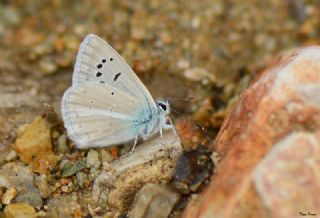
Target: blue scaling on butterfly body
<point>155,119</point>
<point>107,103</point>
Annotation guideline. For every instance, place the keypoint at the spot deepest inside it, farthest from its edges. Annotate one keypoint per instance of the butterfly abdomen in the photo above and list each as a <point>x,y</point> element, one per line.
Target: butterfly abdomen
<point>147,122</point>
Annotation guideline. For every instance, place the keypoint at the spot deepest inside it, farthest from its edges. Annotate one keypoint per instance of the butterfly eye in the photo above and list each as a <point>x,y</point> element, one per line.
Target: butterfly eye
<point>162,106</point>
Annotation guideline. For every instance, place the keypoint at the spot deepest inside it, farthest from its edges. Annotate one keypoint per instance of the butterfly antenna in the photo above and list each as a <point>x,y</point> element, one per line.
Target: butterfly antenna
<point>190,98</point>
<point>180,115</point>
<point>203,129</point>
<point>181,99</point>
<point>186,121</point>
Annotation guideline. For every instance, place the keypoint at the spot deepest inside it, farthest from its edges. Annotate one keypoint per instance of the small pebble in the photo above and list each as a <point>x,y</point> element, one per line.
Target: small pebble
<point>198,74</point>
<point>62,206</point>
<point>93,159</point>
<point>215,158</point>
<point>154,200</point>
<point>106,166</point>
<point>82,178</point>
<point>47,66</point>
<point>73,169</point>
<point>43,186</point>
<point>55,134</point>
<point>192,169</point>
<point>19,210</point>
<point>64,164</point>
<point>28,193</point>
<point>106,156</point>
<point>41,213</point>
<point>62,144</point>
<point>65,188</point>
<point>12,155</point>
<point>9,195</point>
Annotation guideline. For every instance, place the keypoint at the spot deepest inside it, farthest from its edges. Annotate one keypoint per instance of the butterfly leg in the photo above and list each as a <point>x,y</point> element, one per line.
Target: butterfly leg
<point>163,144</point>
<point>168,126</point>
<point>161,136</point>
<point>134,144</point>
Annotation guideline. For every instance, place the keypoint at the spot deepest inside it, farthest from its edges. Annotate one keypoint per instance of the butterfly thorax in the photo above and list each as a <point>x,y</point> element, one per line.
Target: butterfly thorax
<point>151,120</point>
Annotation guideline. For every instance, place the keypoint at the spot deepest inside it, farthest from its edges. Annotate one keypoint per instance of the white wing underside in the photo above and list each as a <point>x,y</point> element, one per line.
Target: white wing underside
<point>93,120</point>
<point>105,97</point>
<point>93,51</point>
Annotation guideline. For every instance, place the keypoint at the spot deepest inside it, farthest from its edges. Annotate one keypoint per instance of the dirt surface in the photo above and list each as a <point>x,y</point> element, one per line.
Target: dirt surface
<point>207,50</point>
<point>228,40</point>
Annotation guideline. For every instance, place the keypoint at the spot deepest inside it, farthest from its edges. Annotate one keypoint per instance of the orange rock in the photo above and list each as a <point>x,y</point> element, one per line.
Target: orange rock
<point>191,134</point>
<point>270,146</point>
<point>78,213</point>
<point>114,151</point>
<point>289,176</point>
<point>33,146</point>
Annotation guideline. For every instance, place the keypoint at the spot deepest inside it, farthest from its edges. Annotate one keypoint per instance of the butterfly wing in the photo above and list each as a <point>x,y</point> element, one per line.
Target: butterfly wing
<point>97,61</point>
<point>100,115</point>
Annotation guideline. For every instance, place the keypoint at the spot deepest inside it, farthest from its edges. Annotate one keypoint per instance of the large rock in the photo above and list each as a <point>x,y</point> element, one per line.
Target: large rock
<point>270,146</point>
<point>289,174</point>
<point>151,162</point>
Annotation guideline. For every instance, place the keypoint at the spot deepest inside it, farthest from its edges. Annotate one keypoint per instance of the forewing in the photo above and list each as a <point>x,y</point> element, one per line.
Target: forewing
<point>99,115</point>
<point>97,61</point>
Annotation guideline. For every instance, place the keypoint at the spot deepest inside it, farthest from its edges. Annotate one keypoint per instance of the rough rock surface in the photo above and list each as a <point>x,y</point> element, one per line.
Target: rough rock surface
<point>149,163</point>
<point>270,146</point>
<point>289,175</point>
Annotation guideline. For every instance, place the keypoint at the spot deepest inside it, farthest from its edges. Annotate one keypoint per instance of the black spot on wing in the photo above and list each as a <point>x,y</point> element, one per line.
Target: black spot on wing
<point>116,76</point>
<point>99,66</point>
<point>104,60</point>
<point>98,74</point>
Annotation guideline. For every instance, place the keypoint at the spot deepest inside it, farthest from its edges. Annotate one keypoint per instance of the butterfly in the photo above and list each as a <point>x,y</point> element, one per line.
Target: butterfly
<point>107,103</point>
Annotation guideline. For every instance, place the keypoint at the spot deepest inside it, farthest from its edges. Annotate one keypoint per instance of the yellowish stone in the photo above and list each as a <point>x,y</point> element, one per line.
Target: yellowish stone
<point>33,145</point>
<point>9,195</point>
<point>19,210</point>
